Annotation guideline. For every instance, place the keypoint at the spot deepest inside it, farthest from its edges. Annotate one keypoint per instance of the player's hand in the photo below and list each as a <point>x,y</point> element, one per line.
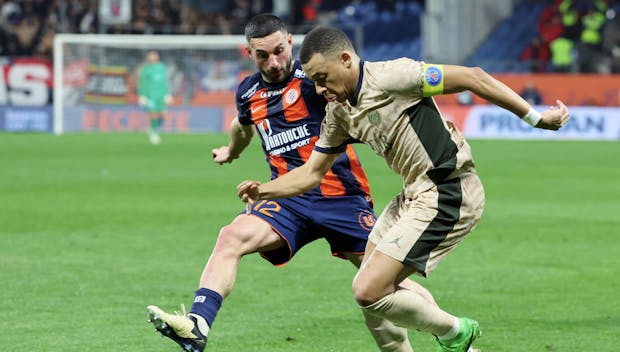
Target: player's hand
<point>554,118</point>
<point>248,191</point>
<point>142,100</point>
<point>222,155</point>
<point>168,99</point>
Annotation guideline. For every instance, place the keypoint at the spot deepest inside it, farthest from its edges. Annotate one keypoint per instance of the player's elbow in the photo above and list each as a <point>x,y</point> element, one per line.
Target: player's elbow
<point>479,78</point>
<point>476,80</point>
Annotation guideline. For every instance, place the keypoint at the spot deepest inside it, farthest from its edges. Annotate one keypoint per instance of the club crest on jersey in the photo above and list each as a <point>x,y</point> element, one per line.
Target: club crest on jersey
<point>433,76</point>
<point>374,118</point>
<point>366,219</point>
<point>291,96</point>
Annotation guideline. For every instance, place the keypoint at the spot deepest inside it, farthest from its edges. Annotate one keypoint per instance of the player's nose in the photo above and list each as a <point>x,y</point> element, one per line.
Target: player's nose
<point>273,61</point>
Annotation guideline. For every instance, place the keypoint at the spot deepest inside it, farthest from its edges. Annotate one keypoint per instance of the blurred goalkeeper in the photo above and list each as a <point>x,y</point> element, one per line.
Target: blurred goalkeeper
<point>154,93</point>
<point>281,104</point>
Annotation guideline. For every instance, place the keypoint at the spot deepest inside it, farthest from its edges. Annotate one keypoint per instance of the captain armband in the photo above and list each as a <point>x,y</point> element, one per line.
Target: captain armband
<point>433,80</point>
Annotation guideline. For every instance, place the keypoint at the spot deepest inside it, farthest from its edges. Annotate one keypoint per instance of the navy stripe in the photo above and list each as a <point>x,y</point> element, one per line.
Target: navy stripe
<point>335,150</point>
<point>343,170</point>
<point>449,204</point>
<point>435,138</point>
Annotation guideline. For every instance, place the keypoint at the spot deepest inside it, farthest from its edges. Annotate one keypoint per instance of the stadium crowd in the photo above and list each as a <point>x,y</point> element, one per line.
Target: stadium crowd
<point>573,35</point>
<point>576,36</point>
<point>27,28</point>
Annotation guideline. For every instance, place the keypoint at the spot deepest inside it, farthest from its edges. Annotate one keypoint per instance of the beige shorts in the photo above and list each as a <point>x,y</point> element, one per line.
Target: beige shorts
<point>421,231</point>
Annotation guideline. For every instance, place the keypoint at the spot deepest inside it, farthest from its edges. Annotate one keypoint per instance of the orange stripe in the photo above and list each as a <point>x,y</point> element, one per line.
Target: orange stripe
<point>331,185</point>
<point>356,169</point>
<point>258,107</point>
<point>306,150</point>
<point>279,163</point>
<point>293,103</point>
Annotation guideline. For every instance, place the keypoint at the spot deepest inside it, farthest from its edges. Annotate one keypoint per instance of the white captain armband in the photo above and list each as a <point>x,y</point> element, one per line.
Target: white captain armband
<point>532,117</point>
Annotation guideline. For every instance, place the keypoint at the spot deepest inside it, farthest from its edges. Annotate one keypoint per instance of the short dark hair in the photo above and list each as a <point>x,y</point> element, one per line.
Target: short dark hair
<point>325,41</point>
<point>263,25</point>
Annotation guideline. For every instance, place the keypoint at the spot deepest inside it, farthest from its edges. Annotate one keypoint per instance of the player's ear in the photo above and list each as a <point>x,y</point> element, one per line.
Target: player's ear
<point>345,59</point>
<point>248,50</point>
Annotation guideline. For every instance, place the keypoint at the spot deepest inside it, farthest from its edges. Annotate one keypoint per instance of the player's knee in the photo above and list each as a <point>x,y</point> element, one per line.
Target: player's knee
<point>365,292</point>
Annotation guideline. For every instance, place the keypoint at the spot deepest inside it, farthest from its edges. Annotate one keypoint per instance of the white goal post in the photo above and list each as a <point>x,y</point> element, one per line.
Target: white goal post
<point>95,80</point>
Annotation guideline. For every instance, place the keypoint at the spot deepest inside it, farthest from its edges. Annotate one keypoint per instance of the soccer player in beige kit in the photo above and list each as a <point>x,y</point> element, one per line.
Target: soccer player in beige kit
<point>389,106</point>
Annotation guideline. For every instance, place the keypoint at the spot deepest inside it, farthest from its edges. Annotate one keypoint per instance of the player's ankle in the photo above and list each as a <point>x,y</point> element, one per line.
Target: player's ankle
<point>456,330</point>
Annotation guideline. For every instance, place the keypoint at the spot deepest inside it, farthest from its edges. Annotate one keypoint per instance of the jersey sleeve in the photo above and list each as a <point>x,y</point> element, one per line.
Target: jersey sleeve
<point>410,77</point>
<point>243,107</point>
<point>333,137</point>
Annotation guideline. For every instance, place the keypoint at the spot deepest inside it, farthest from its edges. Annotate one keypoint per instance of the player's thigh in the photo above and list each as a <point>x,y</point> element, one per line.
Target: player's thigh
<point>288,219</point>
<point>251,234</point>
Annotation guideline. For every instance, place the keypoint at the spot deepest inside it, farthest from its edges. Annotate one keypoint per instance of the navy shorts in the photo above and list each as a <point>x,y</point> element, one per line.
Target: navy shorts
<point>345,222</point>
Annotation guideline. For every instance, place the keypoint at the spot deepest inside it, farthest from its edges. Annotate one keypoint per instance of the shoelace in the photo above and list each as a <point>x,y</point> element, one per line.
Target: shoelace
<point>183,312</point>
<point>184,329</point>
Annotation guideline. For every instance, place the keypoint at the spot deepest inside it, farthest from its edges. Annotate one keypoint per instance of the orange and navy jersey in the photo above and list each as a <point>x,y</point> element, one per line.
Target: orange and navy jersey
<point>287,117</point>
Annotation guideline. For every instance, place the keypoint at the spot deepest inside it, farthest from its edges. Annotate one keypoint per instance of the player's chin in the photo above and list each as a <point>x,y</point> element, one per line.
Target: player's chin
<point>278,75</point>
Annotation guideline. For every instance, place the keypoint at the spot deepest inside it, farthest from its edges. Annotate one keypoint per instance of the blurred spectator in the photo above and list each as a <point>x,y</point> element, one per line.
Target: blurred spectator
<point>21,29</point>
<point>240,14</point>
<point>551,27</point>
<point>611,43</point>
<point>537,55</point>
<point>591,40</point>
<point>562,54</point>
<point>570,19</point>
<point>531,94</point>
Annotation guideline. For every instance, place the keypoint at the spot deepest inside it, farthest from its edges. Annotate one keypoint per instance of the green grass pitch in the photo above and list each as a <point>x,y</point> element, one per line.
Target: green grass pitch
<point>94,227</point>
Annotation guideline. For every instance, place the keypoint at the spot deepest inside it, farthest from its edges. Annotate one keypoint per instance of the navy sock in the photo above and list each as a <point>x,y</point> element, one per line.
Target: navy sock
<point>206,304</point>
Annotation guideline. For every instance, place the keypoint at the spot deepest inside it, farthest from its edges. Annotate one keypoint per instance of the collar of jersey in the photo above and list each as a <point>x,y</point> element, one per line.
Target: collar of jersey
<point>359,84</point>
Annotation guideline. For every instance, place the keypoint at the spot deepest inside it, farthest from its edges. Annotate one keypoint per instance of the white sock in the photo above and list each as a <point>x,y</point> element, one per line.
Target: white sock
<point>389,337</point>
<point>453,332</point>
<point>408,309</point>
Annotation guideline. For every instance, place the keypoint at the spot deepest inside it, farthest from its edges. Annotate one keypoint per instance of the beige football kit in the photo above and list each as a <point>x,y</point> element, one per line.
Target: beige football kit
<point>442,198</point>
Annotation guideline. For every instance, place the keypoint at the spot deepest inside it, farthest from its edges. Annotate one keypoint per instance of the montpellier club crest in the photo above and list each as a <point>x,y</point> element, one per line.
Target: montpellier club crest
<point>291,96</point>
<point>366,220</point>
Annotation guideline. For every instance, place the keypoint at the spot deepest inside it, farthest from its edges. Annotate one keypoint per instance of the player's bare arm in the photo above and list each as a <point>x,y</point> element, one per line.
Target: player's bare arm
<point>295,182</point>
<point>479,82</point>
<point>240,137</point>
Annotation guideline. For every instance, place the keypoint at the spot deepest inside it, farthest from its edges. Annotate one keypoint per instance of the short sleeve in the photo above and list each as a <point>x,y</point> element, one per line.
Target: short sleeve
<point>243,109</point>
<point>333,138</point>
<point>403,76</point>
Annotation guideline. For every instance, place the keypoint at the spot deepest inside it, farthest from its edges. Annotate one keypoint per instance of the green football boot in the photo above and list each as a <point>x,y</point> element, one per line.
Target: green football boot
<point>470,331</point>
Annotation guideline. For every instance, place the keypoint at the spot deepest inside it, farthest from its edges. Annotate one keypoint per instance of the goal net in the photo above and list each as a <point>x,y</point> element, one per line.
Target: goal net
<point>96,80</point>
